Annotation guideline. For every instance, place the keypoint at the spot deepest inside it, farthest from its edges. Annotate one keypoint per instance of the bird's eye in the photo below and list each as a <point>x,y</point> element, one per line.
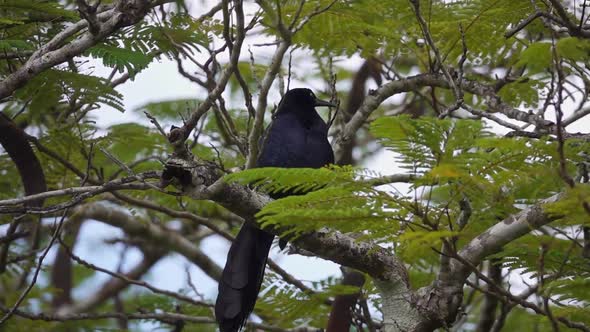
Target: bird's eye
<point>312,95</point>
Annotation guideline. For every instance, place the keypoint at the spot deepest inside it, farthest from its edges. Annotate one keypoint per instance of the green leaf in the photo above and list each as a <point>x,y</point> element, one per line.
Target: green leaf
<point>129,141</point>
<point>53,89</point>
<point>7,21</point>
<point>570,209</point>
<point>573,48</point>
<point>415,241</point>
<point>537,57</point>
<point>14,45</point>
<point>34,6</point>
<point>523,91</point>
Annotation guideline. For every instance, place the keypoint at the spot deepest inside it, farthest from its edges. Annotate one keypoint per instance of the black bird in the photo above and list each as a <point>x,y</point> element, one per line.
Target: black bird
<point>297,137</point>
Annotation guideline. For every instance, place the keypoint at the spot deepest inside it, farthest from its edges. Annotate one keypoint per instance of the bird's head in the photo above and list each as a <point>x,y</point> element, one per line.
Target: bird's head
<point>301,99</point>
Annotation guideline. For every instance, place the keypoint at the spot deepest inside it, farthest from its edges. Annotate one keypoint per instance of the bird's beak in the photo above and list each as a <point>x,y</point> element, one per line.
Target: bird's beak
<point>319,102</point>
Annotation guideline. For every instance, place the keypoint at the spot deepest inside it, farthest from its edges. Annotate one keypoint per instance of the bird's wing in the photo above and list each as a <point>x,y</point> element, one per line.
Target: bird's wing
<point>289,143</point>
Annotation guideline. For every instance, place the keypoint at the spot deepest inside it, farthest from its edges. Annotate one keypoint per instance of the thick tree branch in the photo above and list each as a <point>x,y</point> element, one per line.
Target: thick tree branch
<point>412,83</point>
<point>14,141</point>
<point>489,307</point>
<point>246,203</point>
<point>124,13</point>
<point>160,316</point>
<point>155,233</point>
<point>572,28</point>
<point>61,271</point>
<point>502,233</point>
<point>575,116</point>
<point>343,305</point>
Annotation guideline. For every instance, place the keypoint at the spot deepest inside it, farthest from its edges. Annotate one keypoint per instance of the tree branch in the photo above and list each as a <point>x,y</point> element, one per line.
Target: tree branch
<point>124,13</point>
<point>265,85</point>
<point>111,287</point>
<point>155,233</point>
<point>412,83</point>
<point>179,135</point>
<point>25,293</point>
<point>131,278</point>
<point>506,231</point>
<point>80,194</point>
<point>161,316</point>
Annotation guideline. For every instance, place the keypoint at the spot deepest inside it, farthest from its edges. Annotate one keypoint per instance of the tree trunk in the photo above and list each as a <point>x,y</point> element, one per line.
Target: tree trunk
<point>399,315</point>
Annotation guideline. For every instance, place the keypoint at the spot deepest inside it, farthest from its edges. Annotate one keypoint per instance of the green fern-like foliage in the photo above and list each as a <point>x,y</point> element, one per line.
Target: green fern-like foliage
<point>134,48</point>
<point>30,9</point>
<point>335,196</point>
<point>296,180</point>
<point>353,25</point>
<point>423,144</point>
<point>483,24</point>
<point>180,30</point>
<point>11,45</point>
<point>453,160</point>
<point>54,90</point>
<point>121,59</point>
<point>295,308</point>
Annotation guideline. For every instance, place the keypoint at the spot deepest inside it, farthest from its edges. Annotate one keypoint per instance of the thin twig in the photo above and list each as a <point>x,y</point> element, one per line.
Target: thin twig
<point>123,277</point>
<point>160,316</point>
<point>117,161</point>
<point>37,270</point>
<point>156,123</point>
<point>507,295</point>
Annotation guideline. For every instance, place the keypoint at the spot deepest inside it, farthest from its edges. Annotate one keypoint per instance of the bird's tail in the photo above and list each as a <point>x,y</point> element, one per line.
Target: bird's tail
<point>242,277</point>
